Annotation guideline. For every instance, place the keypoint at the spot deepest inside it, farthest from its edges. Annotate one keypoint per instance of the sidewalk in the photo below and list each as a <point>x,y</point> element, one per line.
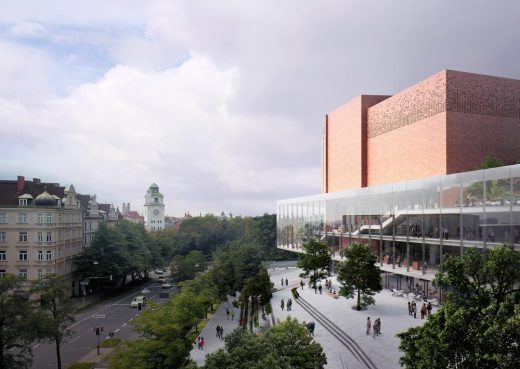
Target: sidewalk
<point>93,357</point>
<point>211,342</point>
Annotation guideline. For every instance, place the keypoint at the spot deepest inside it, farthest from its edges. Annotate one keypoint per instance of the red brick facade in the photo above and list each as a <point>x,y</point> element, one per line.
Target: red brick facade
<point>442,125</point>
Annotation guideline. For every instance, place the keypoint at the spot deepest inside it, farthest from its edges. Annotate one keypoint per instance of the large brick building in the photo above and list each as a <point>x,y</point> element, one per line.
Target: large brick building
<point>399,175</point>
<point>442,125</point>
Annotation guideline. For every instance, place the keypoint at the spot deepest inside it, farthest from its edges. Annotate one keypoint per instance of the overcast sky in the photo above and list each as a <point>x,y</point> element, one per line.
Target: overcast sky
<point>221,103</point>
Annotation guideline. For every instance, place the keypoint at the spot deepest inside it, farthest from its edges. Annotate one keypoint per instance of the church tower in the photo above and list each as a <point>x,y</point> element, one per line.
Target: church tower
<point>154,209</point>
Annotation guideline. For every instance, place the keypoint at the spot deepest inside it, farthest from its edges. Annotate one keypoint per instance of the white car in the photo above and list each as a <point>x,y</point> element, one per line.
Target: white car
<point>167,285</point>
<point>159,271</point>
<point>139,299</point>
<point>145,291</point>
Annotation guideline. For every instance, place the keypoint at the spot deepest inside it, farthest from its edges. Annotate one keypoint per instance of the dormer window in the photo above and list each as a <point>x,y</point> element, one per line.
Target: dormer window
<point>22,202</point>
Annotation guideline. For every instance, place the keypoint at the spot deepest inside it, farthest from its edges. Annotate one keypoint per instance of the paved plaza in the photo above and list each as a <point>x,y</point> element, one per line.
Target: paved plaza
<point>339,329</point>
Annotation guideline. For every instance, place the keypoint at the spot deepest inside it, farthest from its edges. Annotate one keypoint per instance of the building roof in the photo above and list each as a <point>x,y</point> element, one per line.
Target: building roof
<point>9,193</point>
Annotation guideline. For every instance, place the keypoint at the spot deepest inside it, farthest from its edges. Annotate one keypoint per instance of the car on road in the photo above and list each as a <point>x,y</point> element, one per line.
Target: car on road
<point>145,291</point>
<point>167,285</point>
<point>138,299</point>
<point>159,271</point>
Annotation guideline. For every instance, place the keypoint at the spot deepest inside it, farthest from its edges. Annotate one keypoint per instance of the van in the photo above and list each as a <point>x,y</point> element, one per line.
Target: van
<point>138,299</point>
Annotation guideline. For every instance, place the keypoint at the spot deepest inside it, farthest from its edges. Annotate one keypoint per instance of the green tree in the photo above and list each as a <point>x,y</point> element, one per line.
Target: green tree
<point>185,267</point>
<point>286,345</point>
<point>316,260</point>
<point>359,275</point>
<point>19,326</point>
<point>478,325</point>
<point>490,161</point>
<point>56,311</point>
<point>255,298</point>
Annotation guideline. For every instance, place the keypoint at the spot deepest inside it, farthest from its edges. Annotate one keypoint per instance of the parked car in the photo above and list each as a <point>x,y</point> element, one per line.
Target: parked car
<point>138,299</point>
<point>167,285</point>
<point>159,271</point>
<point>145,291</point>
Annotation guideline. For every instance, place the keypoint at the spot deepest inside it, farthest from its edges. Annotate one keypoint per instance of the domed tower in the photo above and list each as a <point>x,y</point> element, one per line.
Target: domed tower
<point>154,208</point>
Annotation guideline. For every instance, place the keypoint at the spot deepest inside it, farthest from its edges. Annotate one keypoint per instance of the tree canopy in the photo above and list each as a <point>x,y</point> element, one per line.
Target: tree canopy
<point>287,345</point>
<point>478,326</point>
<point>316,260</point>
<point>359,275</point>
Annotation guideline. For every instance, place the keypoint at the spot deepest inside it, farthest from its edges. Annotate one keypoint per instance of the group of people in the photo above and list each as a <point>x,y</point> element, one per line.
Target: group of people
<point>200,343</point>
<point>289,304</point>
<point>426,310</point>
<point>376,329</point>
<point>220,332</point>
<point>285,281</point>
<point>310,326</point>
<point>230,312</point>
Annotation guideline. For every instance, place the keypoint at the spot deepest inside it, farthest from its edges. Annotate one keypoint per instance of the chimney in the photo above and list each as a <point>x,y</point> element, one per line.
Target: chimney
<point>20,183</point>
<point>37,180</point>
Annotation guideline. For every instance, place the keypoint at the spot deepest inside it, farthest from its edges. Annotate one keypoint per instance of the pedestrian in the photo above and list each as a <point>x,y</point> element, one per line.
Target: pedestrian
<point>378,326</point>
<point>374,331</point>
<point>327,284</point>
<point>221,333</point>
<point>218,331</point>
<point>320,288</point>
<point>202,343</point>
<point>198,343</point>
<point>313,325</point>
<point>302,284</point>
<point>282,281</point>
<point>289,305</point>
<point>414,309</point>
<point>315,288</point>
<point>227,313</point>
<point>282,304</point>
<point>232,314</point>
<point>286,282</point>
<point>424,311</point>
<point>429,308</point>
<point>369,325</point>
<point>409,308</point>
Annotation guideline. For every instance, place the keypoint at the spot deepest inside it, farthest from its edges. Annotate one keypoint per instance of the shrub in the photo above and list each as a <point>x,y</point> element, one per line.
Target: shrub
<point>110,342</point>
<point>295,293</point>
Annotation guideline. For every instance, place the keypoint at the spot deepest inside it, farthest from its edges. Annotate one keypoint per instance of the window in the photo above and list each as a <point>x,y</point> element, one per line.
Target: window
<point>39,274</point>
<point>3,255</point>
<point>40,237</point>
<point>22,273</point>
<point>22,236</point>
<point>40,255</point>
<point>49,217</point>
<point>49,236</point>
<point>22,255</point>
<point>22,202</point>
<point>156,200</point>
<point>22,218</point>
<point>49,255</point>
<point>40,218</point>
<point>2,273</point>
<point>3,218</point>
<point>3,237</point>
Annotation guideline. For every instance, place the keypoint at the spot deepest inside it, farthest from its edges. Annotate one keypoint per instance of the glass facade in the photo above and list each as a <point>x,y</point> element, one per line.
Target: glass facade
<point>413,225</point>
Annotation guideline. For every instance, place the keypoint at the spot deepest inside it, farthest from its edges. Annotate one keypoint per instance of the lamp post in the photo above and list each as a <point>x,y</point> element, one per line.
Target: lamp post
<point>84,283</point>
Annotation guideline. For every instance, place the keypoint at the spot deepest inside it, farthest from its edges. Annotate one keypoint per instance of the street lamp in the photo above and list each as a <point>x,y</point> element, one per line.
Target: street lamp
<point>84,283</point>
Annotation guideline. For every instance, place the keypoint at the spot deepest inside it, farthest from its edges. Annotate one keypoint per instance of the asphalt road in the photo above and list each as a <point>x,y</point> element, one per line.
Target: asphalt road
<point>113,315</point>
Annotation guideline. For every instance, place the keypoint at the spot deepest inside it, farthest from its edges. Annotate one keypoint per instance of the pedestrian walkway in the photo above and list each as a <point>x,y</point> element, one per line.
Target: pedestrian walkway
<point>341,330</point>
<point>211,342</point>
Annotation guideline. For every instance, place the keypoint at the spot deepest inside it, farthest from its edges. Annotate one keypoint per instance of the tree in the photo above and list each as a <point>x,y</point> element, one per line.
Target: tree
<point>490,161</point>
<point>56,311</point>
<point>18,326</point>
<point>359,275</point>
<point>479,324</point>
<point>286,345</point>
<point>315,261</point>
<point>255,298</point>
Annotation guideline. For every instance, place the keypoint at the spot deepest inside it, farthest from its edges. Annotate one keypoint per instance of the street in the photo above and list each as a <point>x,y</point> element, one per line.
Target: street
<point>114,315</point>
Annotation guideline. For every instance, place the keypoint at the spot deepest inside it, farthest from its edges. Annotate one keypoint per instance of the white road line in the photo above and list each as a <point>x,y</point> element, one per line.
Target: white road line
<point>75,339</point>
<point>124,324</point>
<point>117,330</point>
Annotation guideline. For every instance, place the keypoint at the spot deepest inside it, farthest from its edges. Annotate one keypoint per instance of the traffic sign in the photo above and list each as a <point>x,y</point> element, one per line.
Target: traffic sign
<point>99,316</point>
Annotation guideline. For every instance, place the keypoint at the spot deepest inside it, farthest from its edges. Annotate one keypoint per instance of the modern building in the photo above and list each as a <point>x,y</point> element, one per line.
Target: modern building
<point>154,209</point>
<point>41,230</point>
<point>398,174</point>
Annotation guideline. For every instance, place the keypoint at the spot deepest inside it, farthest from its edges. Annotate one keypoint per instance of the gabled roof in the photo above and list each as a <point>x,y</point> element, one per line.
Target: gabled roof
<point>9,193</point>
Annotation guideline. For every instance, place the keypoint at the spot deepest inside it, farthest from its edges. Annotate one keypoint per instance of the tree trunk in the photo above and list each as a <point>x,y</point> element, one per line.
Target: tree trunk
<point>358,299</point>
<point>58,354</point>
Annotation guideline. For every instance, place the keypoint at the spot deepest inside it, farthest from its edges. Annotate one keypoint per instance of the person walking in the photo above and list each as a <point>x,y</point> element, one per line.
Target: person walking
<point>320,288</point>
<point>302,283</point>
<point>414,309</point>
<point>282,304</point>
<point>202,343</point>
<point>424,311</point>
<point>218,331</point>
<point>369,325</point>
<point>232,314</point>
<point>429,308</point>
<point>286,282</point>
<point>289,305</point>
<point>198,343</point>
<point>227,313</point>
<point>282,281</point>
<point>315,288</point>
<point>374,331</point>
<point>409,308</point>
<point>221,333</point>
<point>378,326</point>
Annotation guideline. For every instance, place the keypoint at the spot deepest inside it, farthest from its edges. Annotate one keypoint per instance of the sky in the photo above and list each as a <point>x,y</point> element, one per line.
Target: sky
<point>221,103</point>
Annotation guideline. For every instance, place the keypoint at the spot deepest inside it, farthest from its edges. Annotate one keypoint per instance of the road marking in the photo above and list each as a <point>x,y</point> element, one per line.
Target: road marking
<point>117,330</point>
<point>75,339</point>
<point>124,324</point>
